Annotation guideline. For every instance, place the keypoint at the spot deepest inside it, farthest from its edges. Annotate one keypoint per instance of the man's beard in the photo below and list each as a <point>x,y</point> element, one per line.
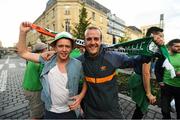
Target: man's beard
<point>175,51</point>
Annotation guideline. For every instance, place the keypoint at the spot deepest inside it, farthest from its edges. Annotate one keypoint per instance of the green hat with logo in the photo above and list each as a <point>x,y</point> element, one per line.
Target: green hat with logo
<point>62,35</point>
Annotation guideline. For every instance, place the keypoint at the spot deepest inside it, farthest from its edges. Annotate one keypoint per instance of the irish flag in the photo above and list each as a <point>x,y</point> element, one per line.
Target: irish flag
<point>167,62</point>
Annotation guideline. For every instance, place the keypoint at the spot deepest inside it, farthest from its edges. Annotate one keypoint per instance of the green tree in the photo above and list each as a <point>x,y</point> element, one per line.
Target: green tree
<point>80,28</point>
<point>124,39</point>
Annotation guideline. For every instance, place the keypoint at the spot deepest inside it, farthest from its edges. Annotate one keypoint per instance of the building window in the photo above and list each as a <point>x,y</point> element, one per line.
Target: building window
<point>66,10</point>
<point>53,26</point>
<point>67,25</point>
<point>93,15</point>
<point>53,13</point>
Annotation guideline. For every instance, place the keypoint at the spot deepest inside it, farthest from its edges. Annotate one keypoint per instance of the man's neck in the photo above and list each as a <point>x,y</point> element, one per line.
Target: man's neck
<point>62,61</point>
<point>62,65</point>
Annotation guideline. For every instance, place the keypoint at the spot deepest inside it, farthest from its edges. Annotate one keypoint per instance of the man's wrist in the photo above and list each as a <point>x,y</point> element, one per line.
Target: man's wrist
<point>148,94</point>
<point>23,32</point>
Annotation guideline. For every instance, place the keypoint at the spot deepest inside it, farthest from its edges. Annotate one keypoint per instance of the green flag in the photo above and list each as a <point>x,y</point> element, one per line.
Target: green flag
<point>167,62</point>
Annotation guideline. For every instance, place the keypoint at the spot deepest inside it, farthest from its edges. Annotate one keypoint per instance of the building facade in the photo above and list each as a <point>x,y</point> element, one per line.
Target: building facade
<point>133,33</point>
<point>116,27</point>
<point>62,15</point>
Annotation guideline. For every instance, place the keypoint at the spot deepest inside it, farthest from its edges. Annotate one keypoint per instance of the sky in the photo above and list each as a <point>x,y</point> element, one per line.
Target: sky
<point>133,12</point>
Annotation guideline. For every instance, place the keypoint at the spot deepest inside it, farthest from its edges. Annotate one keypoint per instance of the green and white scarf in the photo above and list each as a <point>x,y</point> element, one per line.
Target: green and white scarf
<point>167,62</point>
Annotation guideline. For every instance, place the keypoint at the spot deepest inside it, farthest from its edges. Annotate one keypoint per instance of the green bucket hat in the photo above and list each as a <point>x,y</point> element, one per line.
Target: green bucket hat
<point>62,35</point>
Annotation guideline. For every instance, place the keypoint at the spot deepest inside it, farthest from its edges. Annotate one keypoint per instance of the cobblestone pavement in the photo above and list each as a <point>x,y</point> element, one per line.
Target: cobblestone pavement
<point>128,107</point>
<point>14,106</point>
<point>12,100</point>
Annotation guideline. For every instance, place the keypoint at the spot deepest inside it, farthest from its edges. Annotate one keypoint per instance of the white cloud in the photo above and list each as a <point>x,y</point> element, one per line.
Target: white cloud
<point>145,12</point>
<point>13,12</point>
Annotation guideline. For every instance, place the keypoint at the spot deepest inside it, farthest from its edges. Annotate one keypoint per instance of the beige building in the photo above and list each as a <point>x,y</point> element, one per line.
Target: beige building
<point>62,15</point>
<point>133,33</point>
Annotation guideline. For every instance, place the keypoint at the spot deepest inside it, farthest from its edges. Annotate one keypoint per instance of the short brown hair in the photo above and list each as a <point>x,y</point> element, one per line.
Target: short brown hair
<point>93,28</point>
<point>172,42</point>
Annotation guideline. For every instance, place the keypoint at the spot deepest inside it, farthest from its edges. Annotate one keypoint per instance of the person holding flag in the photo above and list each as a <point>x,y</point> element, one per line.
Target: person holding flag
<point>171,79</point>
<point>99,66</point>
<point>139,83</point>
<point>60,75</point>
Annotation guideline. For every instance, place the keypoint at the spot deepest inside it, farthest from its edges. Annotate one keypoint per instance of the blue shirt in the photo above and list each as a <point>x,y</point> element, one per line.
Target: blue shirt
<point>74,73</point>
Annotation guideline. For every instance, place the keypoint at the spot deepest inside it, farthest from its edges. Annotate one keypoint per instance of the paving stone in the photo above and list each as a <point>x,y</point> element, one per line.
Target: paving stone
<point>19,103</point>
<point>158,116</point>
<point>3,117</point>
<point>126,113</point>
<point>9,107</point>
<point>12,98</point>
<point>9,115</point>
<point>13,103</point>
<point>27,112</point>
<point>129,116</point>
<point>129,108</point>
<point>4,100</point>
<point>149,115</point>
<point>22,110</point>
<point>125,104</point>
<point>4,105</point>
<point>24,117</point>
<point>6,111</point>
<point>17,116</point>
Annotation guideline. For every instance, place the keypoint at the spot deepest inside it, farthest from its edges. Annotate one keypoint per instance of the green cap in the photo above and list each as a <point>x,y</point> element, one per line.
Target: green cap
<point>62,35</point>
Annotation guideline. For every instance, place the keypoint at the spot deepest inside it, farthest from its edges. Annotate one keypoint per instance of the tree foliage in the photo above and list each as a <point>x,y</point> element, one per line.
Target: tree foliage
<point>124,39</point>
<point>80,28</point>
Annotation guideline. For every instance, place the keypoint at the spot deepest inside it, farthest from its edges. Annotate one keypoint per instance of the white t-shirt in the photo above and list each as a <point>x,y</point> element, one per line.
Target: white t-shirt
<point>58,91</point>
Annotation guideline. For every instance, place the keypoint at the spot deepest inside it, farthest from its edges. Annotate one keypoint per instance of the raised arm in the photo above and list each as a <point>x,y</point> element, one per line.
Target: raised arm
<point>21,45</point>
<point>146,82</point>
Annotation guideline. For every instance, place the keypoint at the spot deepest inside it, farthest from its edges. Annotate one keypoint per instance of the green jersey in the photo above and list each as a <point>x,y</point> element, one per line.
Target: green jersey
<point>75,53</point>
<point>31,80</point>
<point>167,76</point>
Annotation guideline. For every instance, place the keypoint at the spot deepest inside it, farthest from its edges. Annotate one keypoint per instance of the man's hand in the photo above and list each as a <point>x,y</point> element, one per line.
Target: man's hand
<point>158,40</point>
<point>21,45</point>
<point>47,55</point>
<point>77,100</point>
<point>151,98</point>
<point>25,27</point>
